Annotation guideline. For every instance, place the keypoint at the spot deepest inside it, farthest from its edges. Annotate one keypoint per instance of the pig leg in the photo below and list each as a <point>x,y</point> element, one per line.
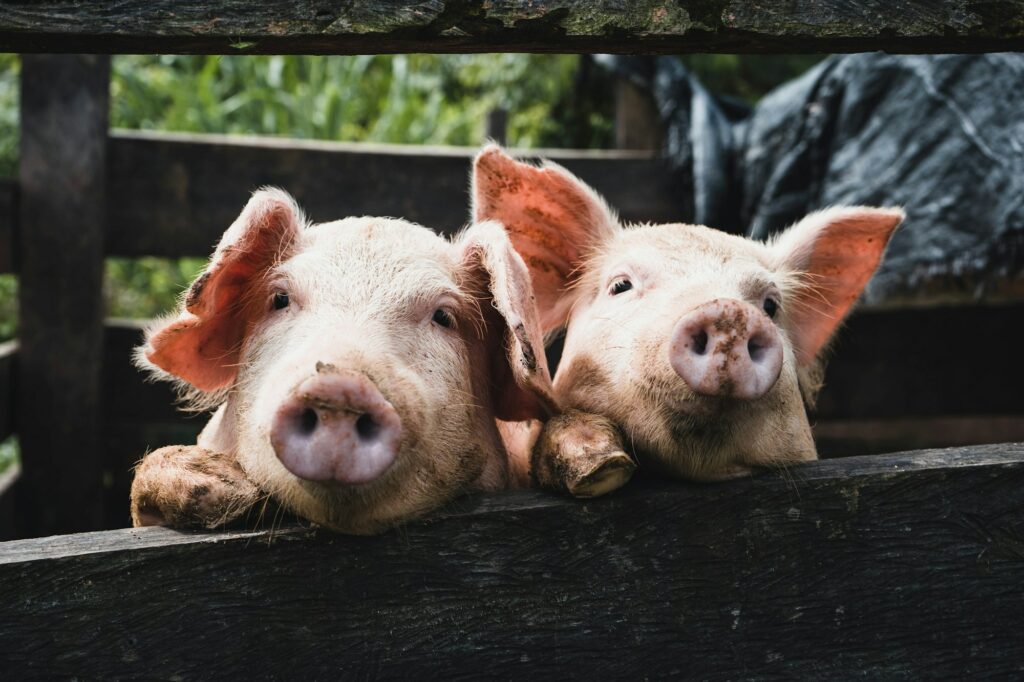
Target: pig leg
<point>187,486</point>
<point>581,454</point>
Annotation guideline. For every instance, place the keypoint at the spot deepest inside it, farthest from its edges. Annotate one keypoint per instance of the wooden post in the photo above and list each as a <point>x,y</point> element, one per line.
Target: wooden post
<point>497,125</point>
<point>64,110</point>
<point>637,125</point>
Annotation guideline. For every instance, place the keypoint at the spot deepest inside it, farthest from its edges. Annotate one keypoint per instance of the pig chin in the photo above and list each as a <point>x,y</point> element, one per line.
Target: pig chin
<point>711,438</point>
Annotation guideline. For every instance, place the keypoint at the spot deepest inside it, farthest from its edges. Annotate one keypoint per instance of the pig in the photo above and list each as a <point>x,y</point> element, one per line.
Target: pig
<point>359,371</point>
<point>703,348</point>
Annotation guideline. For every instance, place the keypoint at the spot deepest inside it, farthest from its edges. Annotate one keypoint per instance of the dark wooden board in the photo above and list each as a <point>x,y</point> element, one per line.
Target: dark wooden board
<point>139,416</point>
<point>174,195</point>
<point>898,566</point>
<point>846,437</point>
<point>382,26</point>
<point>8,360</point>
<point>8,221</point>
<point>62,176</point>
<point>8,508</point>
<point>915,362</point>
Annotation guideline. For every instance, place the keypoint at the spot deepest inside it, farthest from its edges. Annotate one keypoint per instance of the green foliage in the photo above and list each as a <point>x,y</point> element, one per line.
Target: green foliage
<point>8,453</point>
<point>414,99</point>
<point>145,287</point>
<point>747,77</point>
<point>8,306</point>
<point>10,67</point>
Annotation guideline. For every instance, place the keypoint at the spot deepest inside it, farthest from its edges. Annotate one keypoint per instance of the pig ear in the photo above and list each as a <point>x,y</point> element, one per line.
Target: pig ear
<point>201,345</point>
<point>833,253</point>
<point>519,381</point>
<point>553,218</point>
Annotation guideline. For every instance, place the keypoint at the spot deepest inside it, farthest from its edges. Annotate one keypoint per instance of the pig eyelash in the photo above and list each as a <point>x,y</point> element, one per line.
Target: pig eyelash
<point>620,285</point>
<point>443,318</point>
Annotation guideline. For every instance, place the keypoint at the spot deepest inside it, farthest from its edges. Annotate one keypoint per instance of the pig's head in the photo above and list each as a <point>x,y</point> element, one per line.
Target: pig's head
<point>702,346</point>
<point>359,365</point>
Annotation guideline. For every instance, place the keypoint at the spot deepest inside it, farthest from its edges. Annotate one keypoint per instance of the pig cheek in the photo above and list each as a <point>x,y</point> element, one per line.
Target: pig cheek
<point>780,432</point>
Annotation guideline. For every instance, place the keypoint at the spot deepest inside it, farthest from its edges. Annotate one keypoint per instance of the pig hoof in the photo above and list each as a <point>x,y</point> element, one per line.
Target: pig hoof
<point>611,474</point>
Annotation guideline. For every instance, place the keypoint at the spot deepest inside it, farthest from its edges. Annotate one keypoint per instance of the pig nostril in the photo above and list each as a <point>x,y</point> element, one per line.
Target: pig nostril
<point>367,428</point>
<point>755,350</point>
<point>700,342</point>
<point>308,421</point>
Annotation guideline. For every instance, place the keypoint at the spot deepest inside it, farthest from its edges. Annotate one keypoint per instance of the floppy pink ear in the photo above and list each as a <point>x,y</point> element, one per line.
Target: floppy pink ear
<point>518,378</point>
<point>202,344</point>
<point>834,252</point>
<point>552,217</point>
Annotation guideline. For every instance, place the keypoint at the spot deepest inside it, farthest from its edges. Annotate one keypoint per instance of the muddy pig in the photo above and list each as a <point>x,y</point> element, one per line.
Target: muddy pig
<point>700,346</point>
<point>357,369</point>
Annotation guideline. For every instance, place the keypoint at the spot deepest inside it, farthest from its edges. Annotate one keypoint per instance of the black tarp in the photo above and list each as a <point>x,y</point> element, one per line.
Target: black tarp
<point>942,136</point>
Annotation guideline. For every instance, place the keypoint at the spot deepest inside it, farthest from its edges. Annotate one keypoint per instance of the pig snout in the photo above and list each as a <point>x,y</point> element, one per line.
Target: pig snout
<point>727,348</point>
<point>336,427</point>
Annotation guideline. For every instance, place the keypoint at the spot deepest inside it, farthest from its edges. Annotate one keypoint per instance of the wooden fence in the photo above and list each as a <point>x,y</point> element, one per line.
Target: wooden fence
<point>892,566</point>
<point>903,566</point>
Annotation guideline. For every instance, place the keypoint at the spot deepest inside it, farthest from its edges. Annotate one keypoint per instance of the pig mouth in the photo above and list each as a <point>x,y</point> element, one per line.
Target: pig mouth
<point>692,406</point>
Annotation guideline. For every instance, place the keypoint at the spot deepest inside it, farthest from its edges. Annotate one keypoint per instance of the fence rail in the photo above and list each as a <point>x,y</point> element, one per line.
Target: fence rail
<point>174,195</point>
<point>897,565</point>
<point>384,26</point>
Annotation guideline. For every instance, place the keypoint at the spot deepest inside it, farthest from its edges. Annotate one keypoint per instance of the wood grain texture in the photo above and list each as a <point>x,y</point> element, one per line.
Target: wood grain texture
<point>174,195</point>
<point>916,362</point>
<point>8,223</point>
<point>62,176</point>
<point>907,565</point>
<point>8,360</point>
<point>383,26</point>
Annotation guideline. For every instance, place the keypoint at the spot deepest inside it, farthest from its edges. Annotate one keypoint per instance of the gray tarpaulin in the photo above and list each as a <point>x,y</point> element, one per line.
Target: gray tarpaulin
<point>942,136</point>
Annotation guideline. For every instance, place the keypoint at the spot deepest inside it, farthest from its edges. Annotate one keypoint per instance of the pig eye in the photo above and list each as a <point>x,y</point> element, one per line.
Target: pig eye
<point>621,286</point>
<point>280,300</point>
<point>771,307</point>
<point>444,318</point>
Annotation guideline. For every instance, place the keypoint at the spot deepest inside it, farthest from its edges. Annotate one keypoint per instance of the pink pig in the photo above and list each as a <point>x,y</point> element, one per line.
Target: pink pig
<point>357,367</point>
<point>700,346</point>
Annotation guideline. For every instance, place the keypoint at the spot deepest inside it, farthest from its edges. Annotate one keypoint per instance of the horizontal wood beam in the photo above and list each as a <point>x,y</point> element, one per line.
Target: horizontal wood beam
<point>8,222</point>
<point>905,564</point>
<point>385,26</point>
<point>912,362</point>
<point>174,195</point>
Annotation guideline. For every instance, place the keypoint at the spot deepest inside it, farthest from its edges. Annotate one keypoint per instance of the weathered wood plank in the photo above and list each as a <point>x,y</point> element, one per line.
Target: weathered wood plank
<point>174,195</point>
<point>8,506</point>
<point>8,360</point>
<point>897,566</point>
<point>846,437</point>
<point>8,221</point>
<point>383,26</point>
<point>139,416</point>
<point>64,104</point>
<point>637,122</point>
<point>900,362</point>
